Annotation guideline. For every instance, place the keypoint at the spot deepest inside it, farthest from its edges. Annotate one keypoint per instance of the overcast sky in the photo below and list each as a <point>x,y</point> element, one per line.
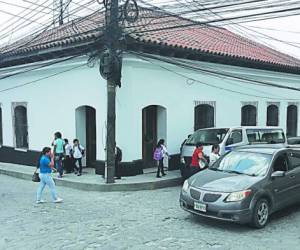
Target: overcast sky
<point>285,29</point>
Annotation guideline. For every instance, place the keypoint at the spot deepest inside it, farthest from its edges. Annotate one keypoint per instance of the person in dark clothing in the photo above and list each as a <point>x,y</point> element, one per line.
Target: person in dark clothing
<point>118,159</point>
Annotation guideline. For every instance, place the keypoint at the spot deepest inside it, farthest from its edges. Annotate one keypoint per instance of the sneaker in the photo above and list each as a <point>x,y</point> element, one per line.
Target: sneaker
<point>58,200</point>
<point>78,174</point>
<point>158,176</point>
<point>164,174</point>
<point>40,201</point>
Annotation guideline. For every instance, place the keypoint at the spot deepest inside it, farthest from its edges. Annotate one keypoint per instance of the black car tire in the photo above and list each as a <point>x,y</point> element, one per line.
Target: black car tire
<point>261,213</point>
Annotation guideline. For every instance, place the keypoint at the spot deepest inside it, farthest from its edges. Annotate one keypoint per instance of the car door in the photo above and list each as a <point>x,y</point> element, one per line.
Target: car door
<point>281,187</point>
<point>294,173</point>
<point>234,139</point>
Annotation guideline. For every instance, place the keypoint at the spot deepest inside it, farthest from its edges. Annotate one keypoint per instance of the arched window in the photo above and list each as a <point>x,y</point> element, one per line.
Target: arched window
<point>272,115</point>
<point>21,128</point>
<point>204,116</point>
<point>291,120</point>
<point>248,115</point>
<point>1,134</point>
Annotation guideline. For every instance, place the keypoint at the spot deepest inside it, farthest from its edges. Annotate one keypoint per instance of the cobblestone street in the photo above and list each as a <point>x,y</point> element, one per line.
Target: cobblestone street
<point>126,220</point>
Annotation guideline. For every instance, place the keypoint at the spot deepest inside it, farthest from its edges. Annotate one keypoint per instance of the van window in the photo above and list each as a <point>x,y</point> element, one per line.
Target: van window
<point>265,135</point>
<point>207,136</point>
<point>236,136</point>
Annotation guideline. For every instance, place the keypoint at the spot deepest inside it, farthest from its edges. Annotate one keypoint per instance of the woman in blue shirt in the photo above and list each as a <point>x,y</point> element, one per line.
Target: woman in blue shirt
<point>46,167</point>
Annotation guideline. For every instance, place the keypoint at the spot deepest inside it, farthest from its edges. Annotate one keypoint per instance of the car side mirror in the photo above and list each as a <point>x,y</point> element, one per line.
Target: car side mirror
<point>278,174</point>
<point>229,141</point>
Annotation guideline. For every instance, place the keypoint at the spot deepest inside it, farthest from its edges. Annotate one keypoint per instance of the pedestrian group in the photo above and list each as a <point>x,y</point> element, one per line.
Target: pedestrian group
<point>63,160</point>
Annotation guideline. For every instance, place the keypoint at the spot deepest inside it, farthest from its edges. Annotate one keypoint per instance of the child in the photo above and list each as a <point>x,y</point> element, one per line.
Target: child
<point>159,154</point>
<point>78,153</point>
<point>214,155</point>
<point>59,151</point>
<point>68,159</point>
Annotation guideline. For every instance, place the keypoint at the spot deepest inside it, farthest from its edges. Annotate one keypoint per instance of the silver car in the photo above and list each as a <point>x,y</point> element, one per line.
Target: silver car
<point>245,185</point>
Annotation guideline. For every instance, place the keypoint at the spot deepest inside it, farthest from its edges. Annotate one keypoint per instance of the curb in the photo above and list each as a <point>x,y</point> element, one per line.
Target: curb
<point>151,185</point>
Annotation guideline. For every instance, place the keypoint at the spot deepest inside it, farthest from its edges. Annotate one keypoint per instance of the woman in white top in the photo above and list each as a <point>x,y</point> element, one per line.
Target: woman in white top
<point>68,157</point>
<point>214,155</point>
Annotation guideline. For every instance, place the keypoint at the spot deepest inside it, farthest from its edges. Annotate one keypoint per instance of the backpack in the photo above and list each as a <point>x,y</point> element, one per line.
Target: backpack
<point>158,154</point>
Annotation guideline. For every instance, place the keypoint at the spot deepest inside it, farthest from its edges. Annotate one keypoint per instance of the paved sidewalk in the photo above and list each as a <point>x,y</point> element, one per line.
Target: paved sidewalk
<point>89,181</point>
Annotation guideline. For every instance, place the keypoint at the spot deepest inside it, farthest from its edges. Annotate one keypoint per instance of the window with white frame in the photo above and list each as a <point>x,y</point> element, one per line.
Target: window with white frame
<point>20,125</point>
<point>204,115</point>
<point>1,132</point>
<point>249,114</point>
<point>272,114</point>
<point>292,119</point>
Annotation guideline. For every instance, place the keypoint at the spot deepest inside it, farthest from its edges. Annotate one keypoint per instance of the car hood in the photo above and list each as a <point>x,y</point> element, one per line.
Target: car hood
<point>223,182</point>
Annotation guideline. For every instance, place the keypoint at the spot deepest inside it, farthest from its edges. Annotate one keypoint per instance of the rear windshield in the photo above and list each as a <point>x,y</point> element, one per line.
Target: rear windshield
<point>207,136</point>
<point>265,136</point>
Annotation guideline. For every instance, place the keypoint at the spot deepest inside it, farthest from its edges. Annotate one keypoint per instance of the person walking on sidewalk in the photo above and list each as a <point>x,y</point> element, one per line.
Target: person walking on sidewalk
<point>68,162</point>
<point>46,167</point>
<point>78,153</point>
<point>59,152</point>
<point>158,155</point>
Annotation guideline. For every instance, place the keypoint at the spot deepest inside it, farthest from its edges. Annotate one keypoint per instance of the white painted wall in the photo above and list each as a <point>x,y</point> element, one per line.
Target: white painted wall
<point>51,102</point>
<point>161,123</point>
<point>159,85</point>
<point>80,121</point>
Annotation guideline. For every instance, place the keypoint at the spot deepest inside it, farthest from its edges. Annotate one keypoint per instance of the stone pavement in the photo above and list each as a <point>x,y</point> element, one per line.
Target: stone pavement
<point>89,181</point>
<point>141,220</point>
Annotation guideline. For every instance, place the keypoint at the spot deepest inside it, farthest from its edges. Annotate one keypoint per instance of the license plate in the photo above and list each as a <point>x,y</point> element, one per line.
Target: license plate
<point>200,206</point>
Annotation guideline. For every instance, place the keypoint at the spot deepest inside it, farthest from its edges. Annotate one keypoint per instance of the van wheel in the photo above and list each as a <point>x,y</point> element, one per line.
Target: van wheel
<point>261,213</point>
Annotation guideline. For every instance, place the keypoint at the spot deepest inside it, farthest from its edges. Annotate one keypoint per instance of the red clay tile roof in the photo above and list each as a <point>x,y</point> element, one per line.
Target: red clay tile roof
<point>155,27</point>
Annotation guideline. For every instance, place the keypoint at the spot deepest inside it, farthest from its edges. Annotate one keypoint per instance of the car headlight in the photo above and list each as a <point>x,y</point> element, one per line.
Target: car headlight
<point>238,196</point>
<point>185,186</point>
<point>182,160</point>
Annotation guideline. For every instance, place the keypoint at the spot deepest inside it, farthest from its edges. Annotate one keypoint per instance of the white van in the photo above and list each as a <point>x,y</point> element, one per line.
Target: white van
<point>229,138</point>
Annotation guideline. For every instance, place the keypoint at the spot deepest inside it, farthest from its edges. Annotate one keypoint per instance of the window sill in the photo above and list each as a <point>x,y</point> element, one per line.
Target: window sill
<point>21,149</point>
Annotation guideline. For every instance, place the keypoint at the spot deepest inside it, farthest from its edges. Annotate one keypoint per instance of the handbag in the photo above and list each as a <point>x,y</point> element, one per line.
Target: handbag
<point>35,177</point>
<point>202,163</point>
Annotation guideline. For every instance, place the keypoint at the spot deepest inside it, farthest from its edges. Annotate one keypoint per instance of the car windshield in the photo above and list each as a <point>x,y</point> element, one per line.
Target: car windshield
<point>265,136</point>
<point>254,164</point>
<point>207,136</point>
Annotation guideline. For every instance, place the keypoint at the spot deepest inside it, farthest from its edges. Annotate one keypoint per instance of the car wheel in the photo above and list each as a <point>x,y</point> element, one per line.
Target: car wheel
<point>260,213</point>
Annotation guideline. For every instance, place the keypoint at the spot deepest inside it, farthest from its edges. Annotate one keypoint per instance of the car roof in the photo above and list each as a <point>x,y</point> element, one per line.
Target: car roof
<point>245,127</point>
<point>263,149</point>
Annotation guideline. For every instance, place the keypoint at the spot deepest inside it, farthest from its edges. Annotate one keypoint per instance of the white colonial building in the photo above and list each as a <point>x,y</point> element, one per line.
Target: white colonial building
<point>173,82</point>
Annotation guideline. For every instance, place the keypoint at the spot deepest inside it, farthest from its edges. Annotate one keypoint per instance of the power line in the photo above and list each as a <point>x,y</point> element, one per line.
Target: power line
<point>216,73</point>
<point>40,79</point>
<point>213,86</point>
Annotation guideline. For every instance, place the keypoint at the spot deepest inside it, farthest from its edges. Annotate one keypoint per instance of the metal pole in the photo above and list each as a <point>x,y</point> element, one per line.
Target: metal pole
<point>112,34</point>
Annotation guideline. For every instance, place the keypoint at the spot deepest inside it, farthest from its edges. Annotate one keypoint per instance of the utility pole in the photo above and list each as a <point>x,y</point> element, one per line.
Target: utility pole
<point>61,18</point>
<point>110,69</point>
<point>112,42</point>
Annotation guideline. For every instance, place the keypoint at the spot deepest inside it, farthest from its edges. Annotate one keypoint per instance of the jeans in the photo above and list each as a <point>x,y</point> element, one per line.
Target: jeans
<point>79,163</point>
<point>46,179</point>
<point>58,163</point>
